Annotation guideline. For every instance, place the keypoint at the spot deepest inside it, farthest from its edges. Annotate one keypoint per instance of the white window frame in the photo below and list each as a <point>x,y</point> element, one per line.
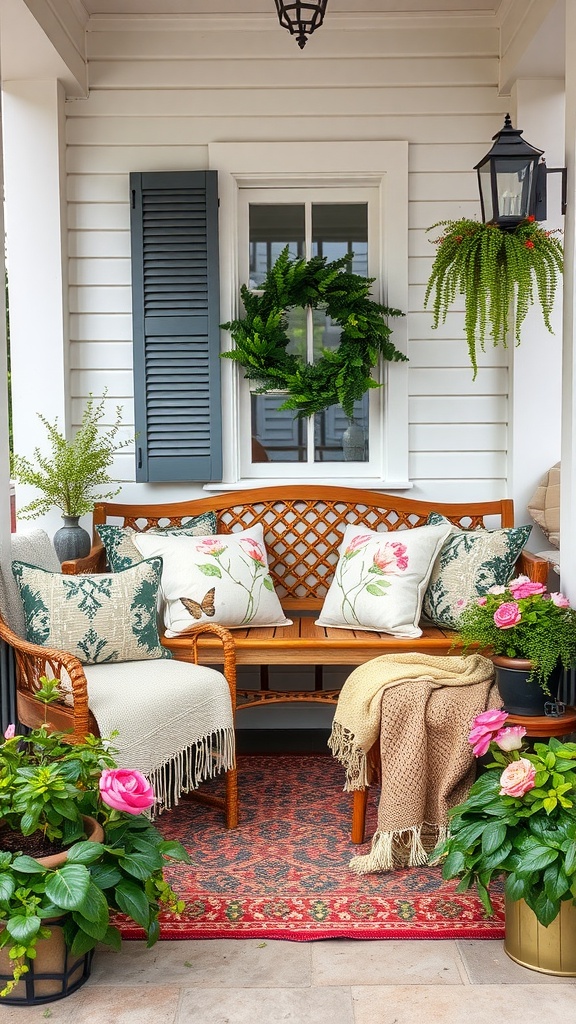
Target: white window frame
<point>380,165</point>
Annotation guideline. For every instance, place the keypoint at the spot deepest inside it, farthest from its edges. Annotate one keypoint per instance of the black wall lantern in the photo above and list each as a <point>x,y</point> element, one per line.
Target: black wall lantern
<point>512,180</point>
<point>301,19</point>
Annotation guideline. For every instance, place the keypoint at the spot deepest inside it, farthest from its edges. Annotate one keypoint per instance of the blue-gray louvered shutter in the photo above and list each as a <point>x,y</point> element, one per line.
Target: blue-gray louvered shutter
<point>176,318</point>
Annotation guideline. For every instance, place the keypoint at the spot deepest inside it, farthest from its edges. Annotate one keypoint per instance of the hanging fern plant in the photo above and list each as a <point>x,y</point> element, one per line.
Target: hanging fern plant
<point>341,375</point>
<point>492,268</point>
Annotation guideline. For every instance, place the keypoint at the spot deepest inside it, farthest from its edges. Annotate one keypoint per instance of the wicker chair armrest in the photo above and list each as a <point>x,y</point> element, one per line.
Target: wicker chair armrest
<point>95,561</point>
<point>229,650</point>
<point>533,566</point>
<point>33,660</point>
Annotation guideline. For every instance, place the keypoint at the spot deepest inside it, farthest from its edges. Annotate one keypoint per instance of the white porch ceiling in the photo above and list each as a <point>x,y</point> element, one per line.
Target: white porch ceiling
<point>237,7</point>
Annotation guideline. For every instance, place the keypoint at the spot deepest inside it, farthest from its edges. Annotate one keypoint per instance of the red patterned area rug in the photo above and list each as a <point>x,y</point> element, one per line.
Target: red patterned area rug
<point>283,874</point>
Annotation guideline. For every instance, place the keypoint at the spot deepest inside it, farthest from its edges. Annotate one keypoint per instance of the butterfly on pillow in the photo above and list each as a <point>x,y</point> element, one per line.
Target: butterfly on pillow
<point>205,606</point>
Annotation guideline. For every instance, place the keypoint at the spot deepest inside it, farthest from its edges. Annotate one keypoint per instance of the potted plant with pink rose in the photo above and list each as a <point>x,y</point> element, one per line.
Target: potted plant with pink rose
<point>531,635</point>
<point>519,821</point>
<point>57,883</point>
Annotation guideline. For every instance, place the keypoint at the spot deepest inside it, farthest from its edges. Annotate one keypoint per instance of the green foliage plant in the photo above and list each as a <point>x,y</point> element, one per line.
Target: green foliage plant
<point>523,620</point>
<point>70,477</point>
<point>341,375</point>
<point>529,836</point>
<point>45,784</point>
<point>498,272</point>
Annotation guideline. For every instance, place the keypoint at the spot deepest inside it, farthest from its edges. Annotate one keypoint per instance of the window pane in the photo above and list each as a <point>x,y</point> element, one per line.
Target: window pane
<point>272,228</point>
<point>277,435</point>
<point>339,229</point>
<point>338,439</point>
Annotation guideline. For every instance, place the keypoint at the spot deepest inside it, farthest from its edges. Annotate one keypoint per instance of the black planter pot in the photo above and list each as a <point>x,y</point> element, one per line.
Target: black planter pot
<point>53,974</point>
<point>72,540</point>
<point>521,697</point>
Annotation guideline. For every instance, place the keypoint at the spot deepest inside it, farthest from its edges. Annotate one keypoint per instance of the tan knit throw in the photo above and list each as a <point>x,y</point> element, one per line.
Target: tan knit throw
<point>427,764</point>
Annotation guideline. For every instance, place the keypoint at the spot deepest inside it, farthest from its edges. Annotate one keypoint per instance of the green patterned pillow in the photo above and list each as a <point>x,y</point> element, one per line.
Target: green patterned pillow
<point>101,618</point>
<point>469,563</point>
<point>121,553</point>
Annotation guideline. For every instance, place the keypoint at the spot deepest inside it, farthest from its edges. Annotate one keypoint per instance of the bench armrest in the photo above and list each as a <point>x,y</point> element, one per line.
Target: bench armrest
<point>533,566</point>
<point>193,633</point>
<point>95,561</point>
<point>33,661</point>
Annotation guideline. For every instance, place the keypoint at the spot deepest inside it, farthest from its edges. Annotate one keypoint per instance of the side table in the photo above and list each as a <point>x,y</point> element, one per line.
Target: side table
<point>546,725</point>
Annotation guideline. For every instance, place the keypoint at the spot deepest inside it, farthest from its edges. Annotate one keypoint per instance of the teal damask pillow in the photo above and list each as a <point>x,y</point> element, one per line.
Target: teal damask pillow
<point>469,562</point>
<point>101,618</point>
<point>121,552</point>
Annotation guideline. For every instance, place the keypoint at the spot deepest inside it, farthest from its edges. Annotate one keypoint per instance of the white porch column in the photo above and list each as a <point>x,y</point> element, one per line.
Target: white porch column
<point>568,482</point>
<point>536,364</point>
<point>37,262</point>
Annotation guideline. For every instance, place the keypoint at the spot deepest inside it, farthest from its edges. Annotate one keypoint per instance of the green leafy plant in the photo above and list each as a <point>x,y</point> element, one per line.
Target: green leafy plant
<point>522,620</point>
<point>46,785</point>
<point>341,375</point>
<point>70,477</point>
<point>493,268</point>
<point>519,821</point>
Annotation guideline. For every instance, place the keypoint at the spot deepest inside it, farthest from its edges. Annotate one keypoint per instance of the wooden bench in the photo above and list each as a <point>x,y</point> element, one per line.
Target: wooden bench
<point>303,529</point>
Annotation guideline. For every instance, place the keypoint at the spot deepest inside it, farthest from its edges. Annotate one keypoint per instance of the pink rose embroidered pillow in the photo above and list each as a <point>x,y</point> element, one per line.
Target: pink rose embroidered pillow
<point>381,578</point>
<point>221,578</point>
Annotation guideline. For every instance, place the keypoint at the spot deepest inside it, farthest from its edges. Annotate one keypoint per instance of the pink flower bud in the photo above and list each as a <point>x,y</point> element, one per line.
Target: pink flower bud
<point>559,600</point>
<point>10,732</point>
<point>510,738</point>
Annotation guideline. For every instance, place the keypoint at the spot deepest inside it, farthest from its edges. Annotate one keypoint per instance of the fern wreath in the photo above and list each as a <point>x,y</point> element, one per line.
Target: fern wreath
<point>341,375</point>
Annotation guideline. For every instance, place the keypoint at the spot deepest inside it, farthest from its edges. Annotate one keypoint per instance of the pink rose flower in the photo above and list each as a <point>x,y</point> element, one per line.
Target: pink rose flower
<point>10,732</point>
<point>516,581</point>
<point>484,727</point>
<point>255,550</point>
<point>559,600</point>
<point>510,738</point>
<point>527,589</point>
<point>496,589</point>
<point>355,543</point>
<point>507,615</point>
<point>481,601</point>
<point>517,778</point>
<point>126,789</point>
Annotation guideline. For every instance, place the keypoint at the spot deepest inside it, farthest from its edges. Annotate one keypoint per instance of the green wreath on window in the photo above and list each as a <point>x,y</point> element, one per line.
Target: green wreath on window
<point>341,375</point>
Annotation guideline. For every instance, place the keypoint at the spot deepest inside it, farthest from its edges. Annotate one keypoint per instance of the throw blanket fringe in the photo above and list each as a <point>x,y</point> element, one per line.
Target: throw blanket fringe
<point>184,772</point>
<point>351,756</point>
<point>400,848</point>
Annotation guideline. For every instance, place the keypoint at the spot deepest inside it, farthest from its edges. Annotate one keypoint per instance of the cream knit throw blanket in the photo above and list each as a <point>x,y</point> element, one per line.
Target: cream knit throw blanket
<point>427,764</point>
<point>173,722</point>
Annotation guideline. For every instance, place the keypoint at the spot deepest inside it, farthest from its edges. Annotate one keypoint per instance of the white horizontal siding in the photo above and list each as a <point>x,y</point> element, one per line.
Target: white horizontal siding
<point>162,93</point>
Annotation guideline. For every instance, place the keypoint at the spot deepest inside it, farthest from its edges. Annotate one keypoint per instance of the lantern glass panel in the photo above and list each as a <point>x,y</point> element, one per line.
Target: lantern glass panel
<point>514,186</point>
<point>485,183</point>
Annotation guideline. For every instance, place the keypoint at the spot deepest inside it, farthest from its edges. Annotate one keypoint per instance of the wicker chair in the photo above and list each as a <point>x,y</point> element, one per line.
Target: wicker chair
<point>72,713</point>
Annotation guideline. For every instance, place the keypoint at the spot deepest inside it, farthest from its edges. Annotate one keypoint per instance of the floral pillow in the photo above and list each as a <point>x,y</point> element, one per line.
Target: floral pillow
<point>100,618</point>
<point>121,553</point>
<point>470,562</point>
<point>223,578</point>
<point>381,578</point>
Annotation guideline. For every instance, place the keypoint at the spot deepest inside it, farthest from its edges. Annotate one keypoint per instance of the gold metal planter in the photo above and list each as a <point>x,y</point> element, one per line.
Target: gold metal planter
<point>551,950</point>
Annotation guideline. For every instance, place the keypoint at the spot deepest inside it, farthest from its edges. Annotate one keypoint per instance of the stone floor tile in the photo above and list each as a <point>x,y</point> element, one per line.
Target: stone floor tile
<point>486,963</point>
<point>100,1004</point>
<point>387,962</point>
<point>61,1012</point>
<point>266,1006</point>
<point>436,1004</point>
<point>212,963</point>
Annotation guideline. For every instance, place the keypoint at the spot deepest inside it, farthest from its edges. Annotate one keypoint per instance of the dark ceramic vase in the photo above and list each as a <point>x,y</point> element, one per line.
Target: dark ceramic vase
<point>72,540</point>
<point>521,697</point>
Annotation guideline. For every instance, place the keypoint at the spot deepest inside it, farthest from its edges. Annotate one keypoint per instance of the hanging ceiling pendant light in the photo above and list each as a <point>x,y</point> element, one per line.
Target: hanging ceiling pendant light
<point>301,19</point>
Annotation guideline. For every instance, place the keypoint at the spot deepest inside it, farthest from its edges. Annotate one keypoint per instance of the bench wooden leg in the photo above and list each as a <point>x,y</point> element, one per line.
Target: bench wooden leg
<point>232,798</point>
<point>359,801</point>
